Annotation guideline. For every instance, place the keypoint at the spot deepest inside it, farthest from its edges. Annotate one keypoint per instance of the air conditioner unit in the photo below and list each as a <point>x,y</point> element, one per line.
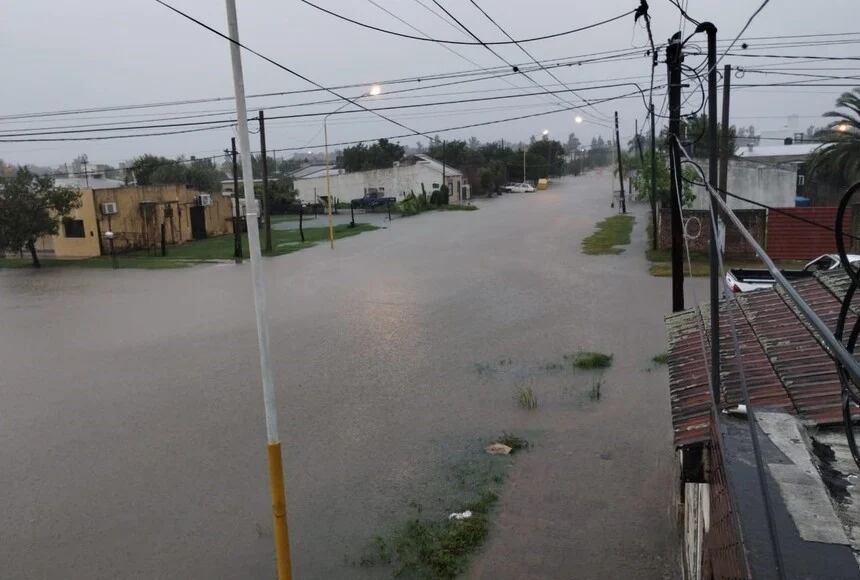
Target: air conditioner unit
<point>204,199</point>
<point>109,208</point>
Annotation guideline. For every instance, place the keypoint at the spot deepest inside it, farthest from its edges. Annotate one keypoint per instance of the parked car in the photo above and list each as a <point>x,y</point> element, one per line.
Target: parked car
<point>518,188</point>
<point>372,199</point>
<point>742,280</point>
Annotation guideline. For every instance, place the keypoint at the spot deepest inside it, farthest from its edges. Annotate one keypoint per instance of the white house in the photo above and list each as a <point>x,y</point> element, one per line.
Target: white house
<point>404,177</point>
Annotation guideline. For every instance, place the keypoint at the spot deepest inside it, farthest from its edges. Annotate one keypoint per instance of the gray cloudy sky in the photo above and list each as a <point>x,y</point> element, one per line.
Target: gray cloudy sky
<point>98,53</point>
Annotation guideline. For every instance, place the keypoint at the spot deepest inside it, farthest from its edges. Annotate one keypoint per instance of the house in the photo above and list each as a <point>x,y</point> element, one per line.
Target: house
<point>773,489</point>
<point>405,176</point>
<point>136,216</point>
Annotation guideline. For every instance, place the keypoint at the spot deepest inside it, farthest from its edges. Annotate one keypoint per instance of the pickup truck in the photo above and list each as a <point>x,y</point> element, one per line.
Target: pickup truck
<point>742,280</point>
<point>372,199</point>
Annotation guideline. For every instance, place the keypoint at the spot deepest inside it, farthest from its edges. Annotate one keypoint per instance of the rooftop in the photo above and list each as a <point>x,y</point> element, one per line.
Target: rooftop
<point>93,182</point>
<point>795,149</point>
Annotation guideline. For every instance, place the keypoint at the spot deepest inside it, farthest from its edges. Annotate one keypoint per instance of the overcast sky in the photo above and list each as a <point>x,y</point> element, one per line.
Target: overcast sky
<point>98,53</point>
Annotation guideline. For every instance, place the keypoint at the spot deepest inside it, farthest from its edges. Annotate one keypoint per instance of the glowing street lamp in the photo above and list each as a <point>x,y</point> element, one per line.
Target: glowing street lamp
<point>577,120</point>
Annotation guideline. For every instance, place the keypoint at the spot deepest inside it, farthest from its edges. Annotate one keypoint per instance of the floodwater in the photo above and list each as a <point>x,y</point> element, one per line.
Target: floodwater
<point>132,439</point>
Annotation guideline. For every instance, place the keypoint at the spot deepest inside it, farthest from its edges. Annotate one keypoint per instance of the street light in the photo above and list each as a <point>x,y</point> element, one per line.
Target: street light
<point>577,120</point>
<point>371,92</point>
<point>548,149</point>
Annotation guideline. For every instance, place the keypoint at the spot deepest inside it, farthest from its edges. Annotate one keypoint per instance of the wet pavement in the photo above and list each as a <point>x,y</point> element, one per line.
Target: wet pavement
<point>132,438</point>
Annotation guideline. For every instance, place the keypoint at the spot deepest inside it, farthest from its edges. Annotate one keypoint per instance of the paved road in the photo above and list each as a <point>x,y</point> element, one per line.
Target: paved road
<point>132,441</point>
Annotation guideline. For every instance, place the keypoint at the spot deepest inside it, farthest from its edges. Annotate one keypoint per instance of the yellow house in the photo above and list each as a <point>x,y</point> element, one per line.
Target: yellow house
<point>78,236</point>
<point>137,216</point>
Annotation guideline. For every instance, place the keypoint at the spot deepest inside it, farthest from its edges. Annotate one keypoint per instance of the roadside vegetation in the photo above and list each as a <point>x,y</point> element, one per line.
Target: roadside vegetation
<point>592,360</point>
<point>661,263</point>
<point>438,547</point>
<point>213,249</point>
<point>612,232</point>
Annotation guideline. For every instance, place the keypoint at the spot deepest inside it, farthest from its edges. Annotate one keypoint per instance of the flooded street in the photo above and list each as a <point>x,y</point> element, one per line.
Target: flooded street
<point>132,437</point>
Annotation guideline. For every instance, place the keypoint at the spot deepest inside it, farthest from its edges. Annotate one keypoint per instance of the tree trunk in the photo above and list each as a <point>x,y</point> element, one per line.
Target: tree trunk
<point>31,245</point>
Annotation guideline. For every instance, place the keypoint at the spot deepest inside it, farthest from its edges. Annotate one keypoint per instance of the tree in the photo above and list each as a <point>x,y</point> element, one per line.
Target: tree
<point>144,166</point>
<point>540,153</point>
<point>839,157</point>
<point>198,174</point>
<point>380,155</point>
<point>32,207</point>
<point>573,143</point>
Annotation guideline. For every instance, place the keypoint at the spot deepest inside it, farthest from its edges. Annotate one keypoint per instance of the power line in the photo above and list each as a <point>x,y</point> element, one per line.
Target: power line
<point>534,60</point>
<point>374,110</point>
<point>284,68</point>
<point>463,42</point>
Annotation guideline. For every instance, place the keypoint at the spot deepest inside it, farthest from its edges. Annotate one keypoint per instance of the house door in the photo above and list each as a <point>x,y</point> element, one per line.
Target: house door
<point>197,216</point>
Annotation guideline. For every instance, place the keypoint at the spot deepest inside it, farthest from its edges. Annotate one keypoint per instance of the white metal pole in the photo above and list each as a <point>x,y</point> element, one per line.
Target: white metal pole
<point>251,212</point>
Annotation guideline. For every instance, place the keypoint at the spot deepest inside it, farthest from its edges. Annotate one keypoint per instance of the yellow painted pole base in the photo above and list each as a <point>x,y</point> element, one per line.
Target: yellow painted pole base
<point>279,512</point>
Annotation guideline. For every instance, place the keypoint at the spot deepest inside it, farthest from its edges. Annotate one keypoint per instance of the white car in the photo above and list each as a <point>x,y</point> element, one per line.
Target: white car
<point>518,188</point>
<point>741,280</point>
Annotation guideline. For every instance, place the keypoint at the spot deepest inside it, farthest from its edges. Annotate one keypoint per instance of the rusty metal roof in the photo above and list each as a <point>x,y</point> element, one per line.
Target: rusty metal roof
<point>785,364</point>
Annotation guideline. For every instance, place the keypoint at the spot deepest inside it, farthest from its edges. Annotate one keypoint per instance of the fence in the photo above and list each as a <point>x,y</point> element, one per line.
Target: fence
<point>698,228</point>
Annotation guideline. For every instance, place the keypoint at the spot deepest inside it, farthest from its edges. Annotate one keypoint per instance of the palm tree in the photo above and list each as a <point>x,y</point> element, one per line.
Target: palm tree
<point>839,157</point>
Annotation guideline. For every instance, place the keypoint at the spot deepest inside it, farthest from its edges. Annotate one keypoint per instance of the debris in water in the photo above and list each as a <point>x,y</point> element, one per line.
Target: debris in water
<point>498,449</point>
<point>460,515</point>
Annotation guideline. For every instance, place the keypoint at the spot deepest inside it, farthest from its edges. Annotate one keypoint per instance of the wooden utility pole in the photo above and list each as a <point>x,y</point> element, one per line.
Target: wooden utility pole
<point>620,167</point>
<point>266,199</point>
<point>724,137</point>
<point>674,58</point>
<point>237,214</point>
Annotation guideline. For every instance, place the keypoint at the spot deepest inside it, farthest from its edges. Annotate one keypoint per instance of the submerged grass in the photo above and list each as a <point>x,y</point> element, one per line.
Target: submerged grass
<point>526,399</point>
<point>439,547</point>
<point>592,360</point>
<point>611,232</point>
<point>661,359</point>
<point>514,442</point>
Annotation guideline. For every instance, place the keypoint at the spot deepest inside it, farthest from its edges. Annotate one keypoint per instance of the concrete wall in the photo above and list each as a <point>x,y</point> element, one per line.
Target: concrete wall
<point>698,229</point>
<point>63,246</point>
<point>397,181</point>
<point>770,185</point>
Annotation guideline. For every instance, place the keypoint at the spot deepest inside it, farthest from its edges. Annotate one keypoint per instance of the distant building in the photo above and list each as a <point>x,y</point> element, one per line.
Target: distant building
<point>402,178</point>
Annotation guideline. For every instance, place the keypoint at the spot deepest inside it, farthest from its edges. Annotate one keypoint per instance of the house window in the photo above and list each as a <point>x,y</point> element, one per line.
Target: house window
<point>435,186</point>
<point>801,179</point>
<point>74,228</point>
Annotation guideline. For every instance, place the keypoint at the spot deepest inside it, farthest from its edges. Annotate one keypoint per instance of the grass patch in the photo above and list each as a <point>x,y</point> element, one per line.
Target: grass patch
<point>661,264</point>
<point>202,251</point>
<point>512,441</point>
<point>439,547</point>
<point>592,360</point>
<point>611,232</point>
<point>661,359</point>
<point>596,384</point>
<point>526,399</point>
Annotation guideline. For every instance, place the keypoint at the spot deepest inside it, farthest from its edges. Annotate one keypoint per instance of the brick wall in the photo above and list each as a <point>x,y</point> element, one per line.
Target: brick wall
<point>789,238</point>
<point>699,230</point>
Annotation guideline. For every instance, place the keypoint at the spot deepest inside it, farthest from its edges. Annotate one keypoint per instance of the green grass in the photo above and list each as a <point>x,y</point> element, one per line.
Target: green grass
<point>661,263</point>
<point>611,232</point>
<point>202,251</point>
<point>434,547</point>
<point>277,219</point>
<point>512,441</point>
<point>526,399</point>
<point>661,359</point>
<point>592,360</point>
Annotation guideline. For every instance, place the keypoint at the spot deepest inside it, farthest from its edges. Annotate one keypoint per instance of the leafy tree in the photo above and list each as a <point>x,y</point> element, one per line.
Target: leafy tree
<point>380,155</point>
<point>573,143</point>
<point>199,174</point>
<point>540,153</point>
<point>839,157</point>
<point>31,207</point>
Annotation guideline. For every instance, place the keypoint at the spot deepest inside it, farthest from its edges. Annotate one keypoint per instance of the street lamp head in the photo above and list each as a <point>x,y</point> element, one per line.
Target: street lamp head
<point>545,132</point>
<point>843,127</point>
<point>374,90</point>
<point>577,119</point>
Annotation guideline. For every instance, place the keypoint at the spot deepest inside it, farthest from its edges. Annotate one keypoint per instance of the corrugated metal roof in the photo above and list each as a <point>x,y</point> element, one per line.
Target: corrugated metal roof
<point>785,365</point>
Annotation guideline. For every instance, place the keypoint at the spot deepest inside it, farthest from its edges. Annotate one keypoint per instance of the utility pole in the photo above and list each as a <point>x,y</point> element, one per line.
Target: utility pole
<point>724,137</point>
<point>237,214</point>
<point>266,199</point>
<point>639,143</point>
<point>674,58</point>
<point>620,167</point>
<point>443,167</point>
<point>273,448</point>
<point>653,196</point>
<point>713,170</point>
<point>524,165</point>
